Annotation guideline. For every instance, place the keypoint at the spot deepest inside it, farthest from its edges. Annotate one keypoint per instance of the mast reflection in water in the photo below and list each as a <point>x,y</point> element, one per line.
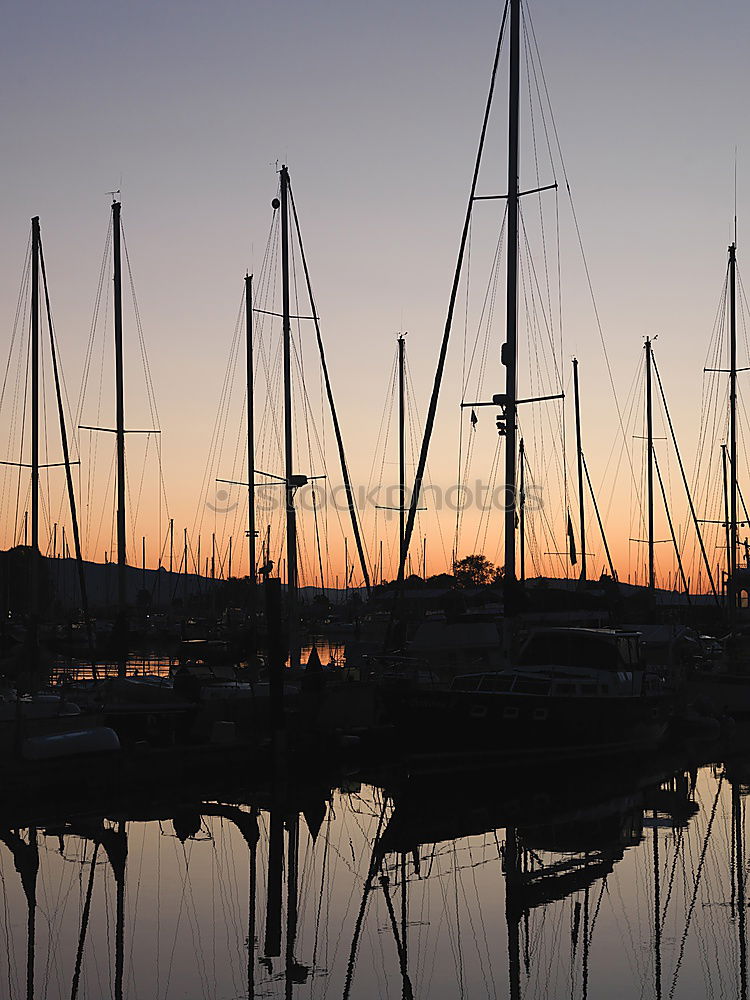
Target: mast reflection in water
<point>618,883</point>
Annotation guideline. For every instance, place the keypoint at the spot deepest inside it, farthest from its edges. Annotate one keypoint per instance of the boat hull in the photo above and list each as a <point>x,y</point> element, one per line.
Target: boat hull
<point>510,724</point>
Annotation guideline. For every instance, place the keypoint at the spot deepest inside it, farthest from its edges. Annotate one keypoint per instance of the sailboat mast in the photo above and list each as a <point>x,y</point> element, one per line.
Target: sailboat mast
<point>739,868</point>
<point>401,450</point>
<point>34,417</point>
<point>522,509</point>
<point>513,910</point>
<point>579,453</point>
<point>120,413</point>
<point>650,467</point>
<point>732,567</point>
<point>291,516</point>
<point>510,347</point>
<point>250,432</point>
<point>727,522</point>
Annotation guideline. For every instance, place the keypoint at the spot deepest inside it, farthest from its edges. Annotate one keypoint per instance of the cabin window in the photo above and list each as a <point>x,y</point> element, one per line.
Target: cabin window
<point>510,713</point>
<point>540,714</point>
<point>574,650</point>
<point>466,683</point>
<point>531,686</point>
<point>496,682</point>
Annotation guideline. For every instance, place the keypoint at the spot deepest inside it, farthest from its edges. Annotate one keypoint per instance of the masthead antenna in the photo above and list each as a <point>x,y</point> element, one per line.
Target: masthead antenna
<point>735,196</point>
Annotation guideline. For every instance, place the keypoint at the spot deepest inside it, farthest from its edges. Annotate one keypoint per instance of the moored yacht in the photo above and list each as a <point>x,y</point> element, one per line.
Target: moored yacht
<point>571,691</point>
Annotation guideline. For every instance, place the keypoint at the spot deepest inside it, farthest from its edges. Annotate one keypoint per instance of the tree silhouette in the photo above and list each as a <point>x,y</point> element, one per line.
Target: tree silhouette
<point>474,571</point>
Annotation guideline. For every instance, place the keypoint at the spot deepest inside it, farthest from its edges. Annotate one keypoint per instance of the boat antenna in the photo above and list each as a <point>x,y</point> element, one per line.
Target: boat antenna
<point>735,196</point>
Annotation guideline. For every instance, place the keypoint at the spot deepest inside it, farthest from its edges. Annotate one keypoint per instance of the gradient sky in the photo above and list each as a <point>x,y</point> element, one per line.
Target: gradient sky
<point>188,107</point>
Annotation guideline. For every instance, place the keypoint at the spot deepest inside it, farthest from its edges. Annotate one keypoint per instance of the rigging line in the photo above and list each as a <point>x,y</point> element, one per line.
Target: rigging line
<point>150,391</point>
<point>214,450</point>
<point>23,427</point>
<point>528,24</point>
<point>408,993</point>
<point>583,254</point>
<point>414,421</point>
<point>547,319</point>
<point>710,400</point>
<point>531,313</point>
<point>103,508</point>
<point>21,307</point>
<point>485,322</point>
<point>306,410</point>
<point>215,458</point>
<point>103,270</point>
<point>744,306</point>
<point>374,861</point>
<point>682,471</point>
<point>713,360</point>
<point>381,447</point>
<point>487,311</point>
<point>463,372</point>
<point>137,507</point>
<point>485,512</point>
<point>694,895</point>
<point>334,417</point>
<point>84,925</point>
<point>532,121</point>
<point>66,454</point>
<point>92,465</point>
<point>429,423</point>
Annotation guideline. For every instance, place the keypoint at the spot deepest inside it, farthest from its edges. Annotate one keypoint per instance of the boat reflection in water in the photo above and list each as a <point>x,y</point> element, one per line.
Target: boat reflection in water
<point>618,882</point>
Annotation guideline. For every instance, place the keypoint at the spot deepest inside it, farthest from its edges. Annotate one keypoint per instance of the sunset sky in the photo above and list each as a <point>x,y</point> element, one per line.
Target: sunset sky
<point>189,108</point>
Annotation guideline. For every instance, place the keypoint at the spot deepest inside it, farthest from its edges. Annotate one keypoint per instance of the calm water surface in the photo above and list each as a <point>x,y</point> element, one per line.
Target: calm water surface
<point>628,882</point>
<point>331,652</point>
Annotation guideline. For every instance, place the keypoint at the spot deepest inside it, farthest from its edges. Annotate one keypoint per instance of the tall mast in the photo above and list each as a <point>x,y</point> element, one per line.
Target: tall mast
<point>732,567</point>
<point>510,348</point>
<point>513,885</point>
<point>522,509</point>
<point>727,522</point>
<point>120,416</point>
<point>250,434</point>
<point>401,449</point>
<point>579,452</point>
<point>34,417</point>
<point>650,467</point>
<point>291,515</point>
<point>739,866</point>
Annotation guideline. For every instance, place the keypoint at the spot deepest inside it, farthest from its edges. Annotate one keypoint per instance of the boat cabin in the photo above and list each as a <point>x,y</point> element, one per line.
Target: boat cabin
<point>587,648</point>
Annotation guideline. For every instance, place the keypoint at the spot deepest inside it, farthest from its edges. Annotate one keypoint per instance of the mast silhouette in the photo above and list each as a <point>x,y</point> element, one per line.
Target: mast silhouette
<point>291,514</point>
<point>522,509</point>
<point>401,451</point>
<point>119,420</point>
<point>34,604</point>
<point>732,567</point>
<point>579,456</point>
<point>509,353</point>
<point>250,435</point>
<point>650,469</point>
